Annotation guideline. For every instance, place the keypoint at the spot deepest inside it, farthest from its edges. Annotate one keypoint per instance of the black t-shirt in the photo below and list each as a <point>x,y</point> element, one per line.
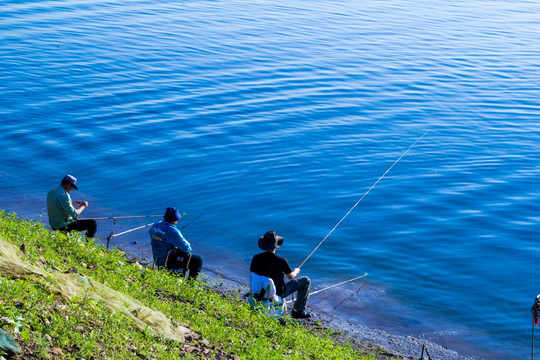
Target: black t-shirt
<point>270,265</point>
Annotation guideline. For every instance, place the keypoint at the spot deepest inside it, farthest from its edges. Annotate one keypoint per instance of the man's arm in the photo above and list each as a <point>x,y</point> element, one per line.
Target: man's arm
<point>81,206</point>
<point>67,206</point>
<point>178,240</point>
<point>293,274</point>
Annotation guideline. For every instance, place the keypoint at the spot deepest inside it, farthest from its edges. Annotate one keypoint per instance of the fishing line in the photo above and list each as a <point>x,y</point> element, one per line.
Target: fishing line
<point>363,196</point>
<point>348,297</point>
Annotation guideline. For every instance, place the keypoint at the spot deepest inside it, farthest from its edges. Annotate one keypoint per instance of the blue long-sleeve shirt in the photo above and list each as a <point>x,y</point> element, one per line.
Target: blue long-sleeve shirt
<point>60,209</point>
<point>165,236</point>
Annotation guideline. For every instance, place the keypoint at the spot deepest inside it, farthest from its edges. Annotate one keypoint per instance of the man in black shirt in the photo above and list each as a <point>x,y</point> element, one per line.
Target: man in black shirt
<point>273,266</point>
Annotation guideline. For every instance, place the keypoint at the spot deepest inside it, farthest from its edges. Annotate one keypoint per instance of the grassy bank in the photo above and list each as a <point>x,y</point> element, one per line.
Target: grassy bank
<point>50,325</point>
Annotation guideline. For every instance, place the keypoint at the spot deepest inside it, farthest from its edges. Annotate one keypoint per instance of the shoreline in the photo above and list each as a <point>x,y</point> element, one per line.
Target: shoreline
<point>361,337</point>
<point>69,295</point>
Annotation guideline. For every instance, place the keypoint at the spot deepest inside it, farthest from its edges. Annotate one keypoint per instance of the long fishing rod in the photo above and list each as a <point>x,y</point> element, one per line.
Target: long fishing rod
<point>115,219</point>
<point>120,217</point>
<point>147,225</point>
<point>182,228</point>
<point>363,196</point>
<point>131,217</point>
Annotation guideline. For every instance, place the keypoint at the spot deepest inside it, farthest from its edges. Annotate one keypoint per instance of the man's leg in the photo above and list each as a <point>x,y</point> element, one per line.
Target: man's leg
<point>302,285</point>
<point>81,225</point>
<point>178,259</point>
<point>175,260</point>
<point>195,266</point>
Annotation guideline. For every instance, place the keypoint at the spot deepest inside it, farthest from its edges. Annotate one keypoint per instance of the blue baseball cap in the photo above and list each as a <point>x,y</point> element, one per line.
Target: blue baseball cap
<point>172,215</point>
<point>72,180</point>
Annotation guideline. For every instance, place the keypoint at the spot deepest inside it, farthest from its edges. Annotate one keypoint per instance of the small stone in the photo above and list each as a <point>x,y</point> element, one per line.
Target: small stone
<point>57,351</point>
<point>190,348</point>
<point>205,342</point>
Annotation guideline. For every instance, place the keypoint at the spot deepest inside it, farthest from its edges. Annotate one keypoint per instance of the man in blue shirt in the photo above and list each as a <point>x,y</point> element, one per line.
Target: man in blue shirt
<point>62,212</point>
<point>169,247</point>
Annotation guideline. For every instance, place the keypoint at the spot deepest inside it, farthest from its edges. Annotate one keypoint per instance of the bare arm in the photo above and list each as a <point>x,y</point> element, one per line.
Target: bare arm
<point>81,206</point>
<point>292,275</point>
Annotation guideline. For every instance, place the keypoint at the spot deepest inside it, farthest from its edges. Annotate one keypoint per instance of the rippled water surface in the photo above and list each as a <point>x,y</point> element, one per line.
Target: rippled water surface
<point>281,115</point>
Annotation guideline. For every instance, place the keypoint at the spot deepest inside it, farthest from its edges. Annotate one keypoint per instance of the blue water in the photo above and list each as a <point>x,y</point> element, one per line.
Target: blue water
<point>280,115</point>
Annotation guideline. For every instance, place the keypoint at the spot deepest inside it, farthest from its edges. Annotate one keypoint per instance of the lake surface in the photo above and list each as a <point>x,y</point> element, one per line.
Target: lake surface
<point>279,115</point>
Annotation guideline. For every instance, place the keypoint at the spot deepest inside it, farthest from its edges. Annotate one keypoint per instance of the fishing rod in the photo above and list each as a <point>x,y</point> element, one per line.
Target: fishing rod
<point>120,217</point>
<point>115,219</point>
<point>128,231</point>
<point>131,217</point>
<point>147,225</point>
<point>182,228</point>
<point>185,226</point>
<point>335,285</point>
<point>112,234</point>
<point>363,196</point>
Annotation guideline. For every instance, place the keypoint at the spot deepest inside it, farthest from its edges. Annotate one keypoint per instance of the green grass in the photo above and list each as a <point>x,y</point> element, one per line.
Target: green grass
<point>51,327</point>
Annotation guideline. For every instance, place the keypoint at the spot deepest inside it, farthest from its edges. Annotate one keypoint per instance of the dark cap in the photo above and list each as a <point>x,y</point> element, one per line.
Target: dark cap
<point>172,215</point>
<point>270,241</point>
<point>70,179</point>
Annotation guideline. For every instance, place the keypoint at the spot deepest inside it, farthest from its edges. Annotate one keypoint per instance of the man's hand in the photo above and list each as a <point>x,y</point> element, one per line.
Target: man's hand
<point>81,206</point>
<point>294,273</point>
<point>80,203</point>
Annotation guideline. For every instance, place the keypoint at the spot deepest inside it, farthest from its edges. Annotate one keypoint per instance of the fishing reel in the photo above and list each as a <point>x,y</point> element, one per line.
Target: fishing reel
<point>536,304</point>
<point>535,310</point>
